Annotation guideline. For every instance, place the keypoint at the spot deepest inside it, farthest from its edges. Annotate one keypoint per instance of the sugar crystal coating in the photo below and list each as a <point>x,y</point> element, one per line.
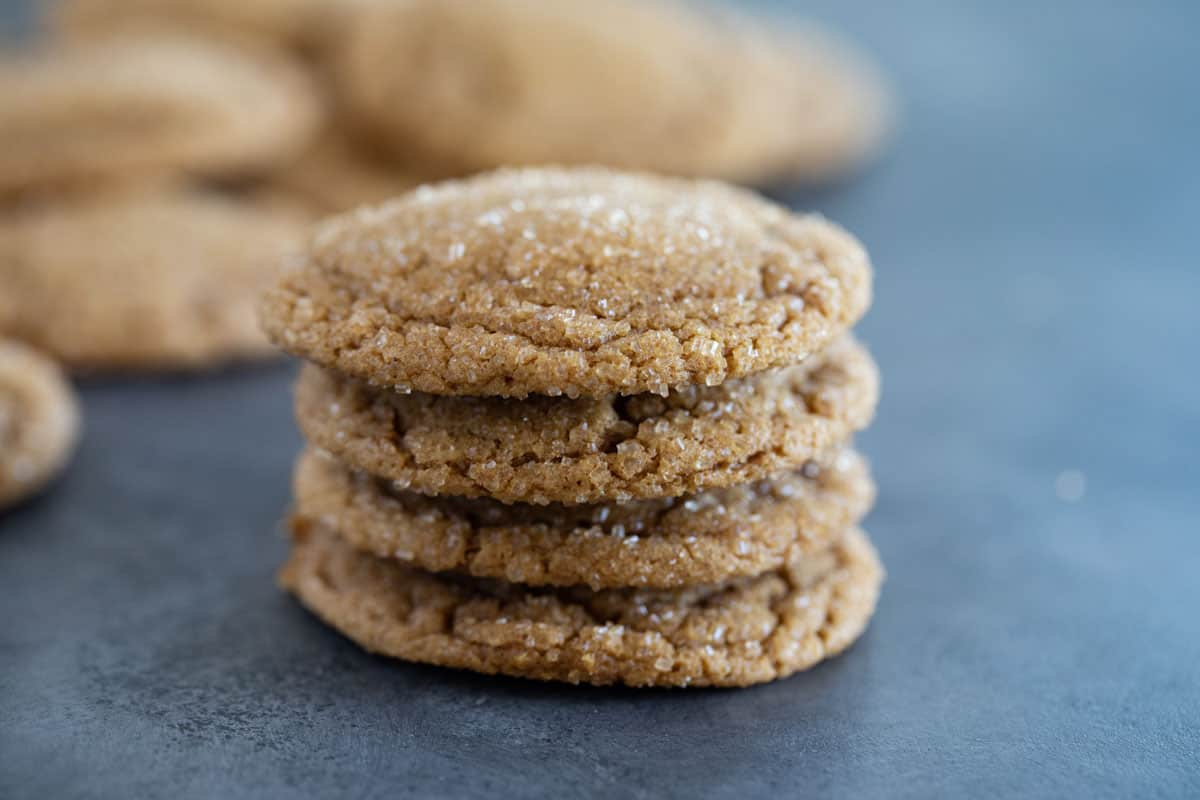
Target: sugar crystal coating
<point>575,282</point>
<point>557,449</point>
<point>738,633</point>
<point>703,538</point>
<point>578,425</point>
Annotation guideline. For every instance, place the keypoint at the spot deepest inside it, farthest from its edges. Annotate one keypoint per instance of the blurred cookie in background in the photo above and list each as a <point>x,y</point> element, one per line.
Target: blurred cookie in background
<point>39,421</point>
<point>337,174</point>
<point>166,279</point>
<point>125,106</point>
<point>304,25</point>
<point>807,103</point>
<point>661,86</point>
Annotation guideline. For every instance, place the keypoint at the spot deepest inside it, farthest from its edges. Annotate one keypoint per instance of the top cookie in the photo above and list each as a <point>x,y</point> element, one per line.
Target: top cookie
<point>633,84</point>
<point>568,282</point>
<point>129,105</point>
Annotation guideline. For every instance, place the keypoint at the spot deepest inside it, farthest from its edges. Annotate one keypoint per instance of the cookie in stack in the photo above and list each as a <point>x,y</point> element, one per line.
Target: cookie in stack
<point>583,425</point>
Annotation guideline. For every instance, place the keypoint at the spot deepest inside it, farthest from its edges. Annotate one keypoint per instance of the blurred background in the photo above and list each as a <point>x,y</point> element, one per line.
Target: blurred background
<point>1026,180</point>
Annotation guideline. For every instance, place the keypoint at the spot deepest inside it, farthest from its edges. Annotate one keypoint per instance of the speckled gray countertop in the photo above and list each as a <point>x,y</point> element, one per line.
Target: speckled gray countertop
<point>1035,232</point>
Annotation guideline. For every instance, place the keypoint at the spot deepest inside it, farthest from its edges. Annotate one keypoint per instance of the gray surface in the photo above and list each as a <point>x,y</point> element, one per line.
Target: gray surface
<point>1035,233</point>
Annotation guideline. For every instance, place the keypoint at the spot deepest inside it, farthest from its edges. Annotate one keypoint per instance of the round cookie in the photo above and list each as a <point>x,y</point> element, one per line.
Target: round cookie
<point>705,538</point>
<point>39,422</point>
<point>661,86</point>
<point>577,282</point>
<point>141,281</point>
<point>128,105</point>
<point>545,449</point>
<point>625,83</point>
<point>747,631</point>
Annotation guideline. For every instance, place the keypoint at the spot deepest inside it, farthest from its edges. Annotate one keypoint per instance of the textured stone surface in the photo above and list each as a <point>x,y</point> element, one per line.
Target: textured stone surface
<point>1035,236</point>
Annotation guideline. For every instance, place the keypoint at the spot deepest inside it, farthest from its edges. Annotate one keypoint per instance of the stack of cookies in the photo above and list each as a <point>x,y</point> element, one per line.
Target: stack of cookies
<point>583,425</point>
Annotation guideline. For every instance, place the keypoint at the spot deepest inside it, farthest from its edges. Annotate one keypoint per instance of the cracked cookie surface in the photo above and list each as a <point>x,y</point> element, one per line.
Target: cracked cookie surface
<point>128,105</point>
<point>39,421</point>
<point>576,282</point>
<point>704,538</point>
<point>743,632</point>
<point>142,281</point>
<point>557,449</point>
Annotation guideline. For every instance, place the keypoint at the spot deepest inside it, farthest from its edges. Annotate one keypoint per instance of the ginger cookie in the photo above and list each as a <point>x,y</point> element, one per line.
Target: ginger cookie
<point>127,105</point>
<point>335,176</point>
<point>547,449</point>
<point>303,24</point>
<point>576,282</point>
<point>162,280</point>
<point>660,86</point>
<point>746,631</point>
<point>39,421</point>
<point>811,105</point>
<point>703,538</point>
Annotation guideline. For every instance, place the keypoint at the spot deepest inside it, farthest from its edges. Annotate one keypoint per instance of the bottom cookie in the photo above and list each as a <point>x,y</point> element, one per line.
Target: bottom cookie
<point>747,631</point>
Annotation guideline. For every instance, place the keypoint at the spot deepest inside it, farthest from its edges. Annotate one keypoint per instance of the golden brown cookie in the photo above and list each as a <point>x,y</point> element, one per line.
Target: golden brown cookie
<point>808,103</point>
<point>140,281</point>
<point>335,175</point>
<point>681,541</point>
<point>544,449</point>
<point>568,282</point>
<point>39,421</point>
<point>743,632</point>
<point>304,24</point>
<point>127,105</point>
<point>633,84</point>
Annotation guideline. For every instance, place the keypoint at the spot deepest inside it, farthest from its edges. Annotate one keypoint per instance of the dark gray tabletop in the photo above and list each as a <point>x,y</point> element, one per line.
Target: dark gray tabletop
<point>1035,229</point>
